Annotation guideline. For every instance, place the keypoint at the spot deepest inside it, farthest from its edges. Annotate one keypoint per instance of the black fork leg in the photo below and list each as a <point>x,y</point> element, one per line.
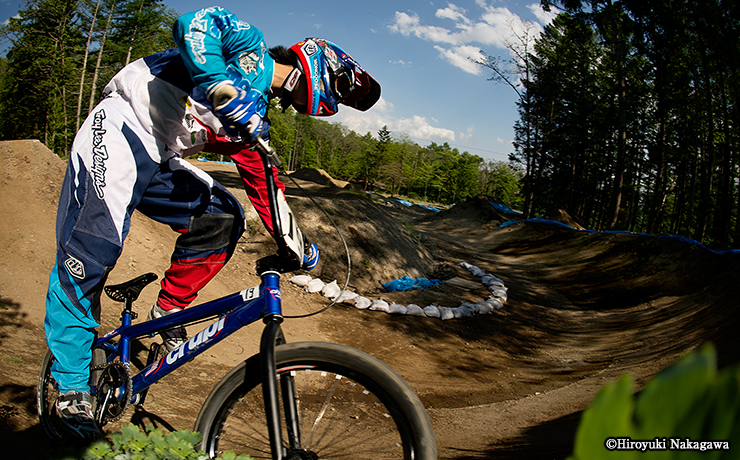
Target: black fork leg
<point>273,335</point>
<point>291,413</point>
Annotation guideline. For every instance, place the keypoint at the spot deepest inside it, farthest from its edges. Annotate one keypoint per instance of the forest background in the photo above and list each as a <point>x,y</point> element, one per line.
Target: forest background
<point>627,111</point>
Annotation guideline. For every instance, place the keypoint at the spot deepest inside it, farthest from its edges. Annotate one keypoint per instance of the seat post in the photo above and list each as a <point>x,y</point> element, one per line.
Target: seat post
<point>128,314</point>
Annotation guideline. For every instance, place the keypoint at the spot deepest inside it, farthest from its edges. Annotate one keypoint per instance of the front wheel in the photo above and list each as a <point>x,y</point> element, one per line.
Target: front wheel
<point>348,404</point>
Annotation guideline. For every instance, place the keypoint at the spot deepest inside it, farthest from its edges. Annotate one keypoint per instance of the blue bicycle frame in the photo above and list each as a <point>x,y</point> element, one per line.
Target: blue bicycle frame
<point>233,312</point>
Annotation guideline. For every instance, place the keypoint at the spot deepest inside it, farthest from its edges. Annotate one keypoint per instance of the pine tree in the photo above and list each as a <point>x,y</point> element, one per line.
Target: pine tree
<point>40,72</point>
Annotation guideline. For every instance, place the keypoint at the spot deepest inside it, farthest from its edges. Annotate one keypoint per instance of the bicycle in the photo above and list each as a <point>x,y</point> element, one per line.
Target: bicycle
<point>318,400</point>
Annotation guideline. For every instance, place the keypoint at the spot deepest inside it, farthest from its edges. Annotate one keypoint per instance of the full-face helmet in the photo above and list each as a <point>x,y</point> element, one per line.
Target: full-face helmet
<point>332,77</point>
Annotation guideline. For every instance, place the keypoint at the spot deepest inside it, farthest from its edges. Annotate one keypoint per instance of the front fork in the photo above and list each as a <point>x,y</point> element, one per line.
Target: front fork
<point>272,336</point>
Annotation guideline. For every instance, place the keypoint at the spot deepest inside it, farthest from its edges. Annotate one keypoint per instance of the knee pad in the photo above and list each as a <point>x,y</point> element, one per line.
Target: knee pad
<point>210,232</point>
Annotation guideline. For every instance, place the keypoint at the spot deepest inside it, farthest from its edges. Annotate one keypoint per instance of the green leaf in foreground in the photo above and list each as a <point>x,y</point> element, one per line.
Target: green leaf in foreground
<point>689,401</point>
<point>133,444</point>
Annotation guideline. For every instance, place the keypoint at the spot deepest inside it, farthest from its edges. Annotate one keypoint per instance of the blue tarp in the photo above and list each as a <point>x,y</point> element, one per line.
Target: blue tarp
<point>206,160</point>
<point>409,204</point>
<point>504,209</point>
<point>430,208</point>
<point>682,239</point>
<point>408,283</point>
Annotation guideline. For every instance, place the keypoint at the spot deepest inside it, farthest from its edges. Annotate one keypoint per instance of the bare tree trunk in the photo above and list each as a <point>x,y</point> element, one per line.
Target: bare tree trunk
<point>620,166</point>
<point>133,36</point>
<point>84,66</point>
<point>100,57</point>
<point>708,159</point>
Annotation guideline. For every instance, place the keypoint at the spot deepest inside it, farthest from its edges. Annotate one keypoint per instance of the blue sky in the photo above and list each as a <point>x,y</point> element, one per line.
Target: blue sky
<point>418,52</point>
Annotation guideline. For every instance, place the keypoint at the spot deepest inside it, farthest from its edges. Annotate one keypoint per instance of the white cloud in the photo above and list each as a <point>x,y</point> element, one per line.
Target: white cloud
<point>418,127</point>
<point>408,25</point>
<point>7,21</point>
<point>543,16</point>
<point>363,122</point>
<point>495,27</point>
<point>468,134</point>
<point>460,56</point>
<point>383,106</point>
<point>380,115</point>
<point>452,12</point>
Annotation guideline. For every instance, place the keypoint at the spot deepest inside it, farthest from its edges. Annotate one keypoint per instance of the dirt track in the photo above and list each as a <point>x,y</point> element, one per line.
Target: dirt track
<point>583,308</point>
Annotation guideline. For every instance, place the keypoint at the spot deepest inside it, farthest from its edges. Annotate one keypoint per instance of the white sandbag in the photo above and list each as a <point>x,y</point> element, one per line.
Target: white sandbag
<point>431,311</point>
<point>496,284</point>
<point>496,303</point>
<point>315,285</point>
<point>471,306</point>
<point>362,302</point>
<point>414,310</point>
<point>490,280</point>
<point>446,313</point>
<point>500,294</point>
<point>331,290</point>
<point>466,311</point>
<point>301,280</point>
<point>346,296</point>
<point>485,308</point>
<point>474,270</point>
<point>379,305</point>
<point>397,309</point>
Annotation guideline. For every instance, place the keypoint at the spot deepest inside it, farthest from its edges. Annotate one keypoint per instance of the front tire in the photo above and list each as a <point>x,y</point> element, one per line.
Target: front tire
<point>350,405</point>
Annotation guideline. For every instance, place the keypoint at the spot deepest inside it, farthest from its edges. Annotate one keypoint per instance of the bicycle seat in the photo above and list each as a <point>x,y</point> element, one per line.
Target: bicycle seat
<point>129,290</point>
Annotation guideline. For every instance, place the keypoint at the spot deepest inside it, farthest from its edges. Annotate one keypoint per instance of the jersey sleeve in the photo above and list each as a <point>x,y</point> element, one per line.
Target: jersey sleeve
<point>208,39</point>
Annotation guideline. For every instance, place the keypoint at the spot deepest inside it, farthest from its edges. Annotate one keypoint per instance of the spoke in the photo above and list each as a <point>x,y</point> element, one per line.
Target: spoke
<point>321,413</point>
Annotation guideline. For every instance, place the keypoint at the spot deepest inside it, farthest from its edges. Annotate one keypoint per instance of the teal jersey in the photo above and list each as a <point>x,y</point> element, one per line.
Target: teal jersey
<point>216,47</point>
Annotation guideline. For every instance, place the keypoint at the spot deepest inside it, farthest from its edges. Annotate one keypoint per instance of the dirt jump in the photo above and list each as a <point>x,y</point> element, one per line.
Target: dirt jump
<point>581,308</point>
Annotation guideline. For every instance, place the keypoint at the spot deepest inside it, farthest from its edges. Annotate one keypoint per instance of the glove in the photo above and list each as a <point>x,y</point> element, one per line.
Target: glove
<point>239,111</point>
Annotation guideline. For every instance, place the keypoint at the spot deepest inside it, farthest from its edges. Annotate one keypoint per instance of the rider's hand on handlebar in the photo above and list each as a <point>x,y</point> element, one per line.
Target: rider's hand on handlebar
<point>240,111</point>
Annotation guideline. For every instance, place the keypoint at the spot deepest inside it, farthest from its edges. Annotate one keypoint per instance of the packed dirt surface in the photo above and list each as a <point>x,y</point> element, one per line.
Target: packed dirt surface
<point>583,308</point>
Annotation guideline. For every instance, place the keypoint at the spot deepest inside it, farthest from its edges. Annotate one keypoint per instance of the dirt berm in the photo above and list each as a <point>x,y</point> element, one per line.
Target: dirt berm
<point>583,308</point>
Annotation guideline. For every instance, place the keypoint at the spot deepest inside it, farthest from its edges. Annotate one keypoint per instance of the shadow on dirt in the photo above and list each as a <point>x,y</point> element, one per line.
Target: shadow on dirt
<point>31,443</point>
<point>10,317</point>
<point>549,440</point>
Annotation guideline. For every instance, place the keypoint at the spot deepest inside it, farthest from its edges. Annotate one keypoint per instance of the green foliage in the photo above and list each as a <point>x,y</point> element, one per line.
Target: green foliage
<point>392,164</point>
<point>689,400</point>
<point>133,444</point>
<point>49,68</point>
<point>627,117</point>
